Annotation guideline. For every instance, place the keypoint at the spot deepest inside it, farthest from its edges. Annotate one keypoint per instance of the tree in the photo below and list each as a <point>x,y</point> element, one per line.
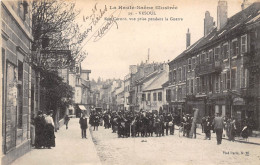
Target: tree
<point>54,28</point>
<point>58,95</point>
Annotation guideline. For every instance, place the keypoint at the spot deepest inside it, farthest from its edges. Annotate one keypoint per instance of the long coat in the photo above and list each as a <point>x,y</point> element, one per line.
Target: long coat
<point>83,123</point>
<point>39,131</point>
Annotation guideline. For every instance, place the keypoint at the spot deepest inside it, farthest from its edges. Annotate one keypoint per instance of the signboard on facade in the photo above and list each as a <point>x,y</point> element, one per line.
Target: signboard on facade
<point>238,101</point>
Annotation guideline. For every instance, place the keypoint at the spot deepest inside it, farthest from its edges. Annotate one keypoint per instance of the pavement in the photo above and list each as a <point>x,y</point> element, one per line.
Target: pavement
<point>172,149</point>
<point>70,149</point>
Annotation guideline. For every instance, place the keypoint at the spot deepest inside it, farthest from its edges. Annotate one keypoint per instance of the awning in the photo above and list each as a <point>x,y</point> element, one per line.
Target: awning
<point>82,107</point>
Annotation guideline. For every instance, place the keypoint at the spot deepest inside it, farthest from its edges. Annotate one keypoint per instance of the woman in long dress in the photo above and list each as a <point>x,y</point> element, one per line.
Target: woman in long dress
<point>39,122</point>
<point>49,130</point>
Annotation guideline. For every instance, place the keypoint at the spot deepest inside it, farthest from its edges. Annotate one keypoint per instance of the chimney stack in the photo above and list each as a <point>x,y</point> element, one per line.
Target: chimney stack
<point>188,39</point>
<point>245,4</point>
<point>222,14</point>
<point>208,23</point>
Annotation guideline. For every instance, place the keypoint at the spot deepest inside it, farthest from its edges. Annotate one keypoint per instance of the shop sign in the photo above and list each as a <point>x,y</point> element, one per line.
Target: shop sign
<point>238,101</point>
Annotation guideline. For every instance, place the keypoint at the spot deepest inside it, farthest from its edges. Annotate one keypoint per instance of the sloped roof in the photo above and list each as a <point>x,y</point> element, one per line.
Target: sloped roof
<point>235,24</point>
<point>157,83</point>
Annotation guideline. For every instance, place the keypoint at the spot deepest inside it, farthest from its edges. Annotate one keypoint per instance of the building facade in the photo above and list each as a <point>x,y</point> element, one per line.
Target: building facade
<point>221,73</point>
<point>20,81</point>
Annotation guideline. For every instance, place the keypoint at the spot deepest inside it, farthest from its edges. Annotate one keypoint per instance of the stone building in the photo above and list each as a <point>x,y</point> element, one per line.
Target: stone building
<point>222,67</point>
<point>20,81</point>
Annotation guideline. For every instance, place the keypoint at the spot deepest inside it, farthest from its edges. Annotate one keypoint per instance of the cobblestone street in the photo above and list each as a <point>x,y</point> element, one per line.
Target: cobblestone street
<point>171,150</point>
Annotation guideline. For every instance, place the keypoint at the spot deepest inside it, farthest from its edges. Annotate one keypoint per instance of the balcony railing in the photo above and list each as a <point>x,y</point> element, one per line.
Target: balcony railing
<point>208,68</point>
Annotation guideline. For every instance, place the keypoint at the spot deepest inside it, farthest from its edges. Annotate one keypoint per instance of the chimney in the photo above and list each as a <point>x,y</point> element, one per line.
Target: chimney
<point>245,4</point>
<point>188,39</point>
<point>208,23</point>
<point>221,14</point>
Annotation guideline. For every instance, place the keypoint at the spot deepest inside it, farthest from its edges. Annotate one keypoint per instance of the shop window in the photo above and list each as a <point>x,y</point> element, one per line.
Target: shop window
<point>244,44</point>
<point>20,95</point>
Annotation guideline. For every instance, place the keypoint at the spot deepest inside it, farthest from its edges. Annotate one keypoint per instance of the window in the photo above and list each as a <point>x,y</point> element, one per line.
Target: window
<point>207,57</point>
<point>234,48</point>
<point>244,44</point>
<point>184,73</point>
<point>154,96</point>
<point>202,58</point>
<point>198,85</point>
<point>160,96</point>
<point>203,84</point>
<point>217,51</point>
<point>149,97</point>
<point>193,63</point>
<point>225,51</point>
<point>174,76</point>
<point>198,59</point>
<point>143,97</point>
<point>243,77</point>
<point>179,94</point>
<point>191,86</point>
<point>217,80</point>
<point>179,74</point>
<point>168,95</point>
<point>224,81</point>
<point>233,78</point>
<point>188,86</point>
<point>171,76</point>
<point>210,56</point>
<point>210,83</point>
<point>228,79</point>
<point>189,64</point>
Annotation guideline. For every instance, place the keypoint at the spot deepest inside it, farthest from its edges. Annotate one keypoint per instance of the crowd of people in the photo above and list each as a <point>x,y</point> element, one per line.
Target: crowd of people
<point>147,124</point>
<point>143,124</point>
<point>44,130</point>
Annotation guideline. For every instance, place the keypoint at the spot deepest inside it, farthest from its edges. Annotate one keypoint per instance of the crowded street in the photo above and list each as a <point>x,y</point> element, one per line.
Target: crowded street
<point>130,82</point>
<point>104,147</point>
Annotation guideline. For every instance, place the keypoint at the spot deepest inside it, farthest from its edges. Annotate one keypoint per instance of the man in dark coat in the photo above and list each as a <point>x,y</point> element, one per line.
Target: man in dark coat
<point>40,123</point>
<point>218,123</point>
<point>83,121</point>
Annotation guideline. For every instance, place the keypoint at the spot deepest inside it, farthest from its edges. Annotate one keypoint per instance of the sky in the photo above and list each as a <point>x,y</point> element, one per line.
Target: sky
<point>126,42</point>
